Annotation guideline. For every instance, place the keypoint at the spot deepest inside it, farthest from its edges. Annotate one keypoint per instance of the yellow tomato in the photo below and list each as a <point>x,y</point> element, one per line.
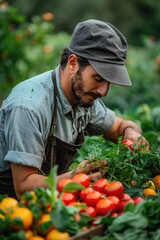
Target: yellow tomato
<point>2,216</point>
<point>57,235</point>
<point>157,181</point>
<point>44,219</point>
<point>36,237</point>
<point>28,234</point>
<point>31,197</point>
<point>151,184</point>
<point>8,203</point>
<point>148,191</point>
<point>25,215</point>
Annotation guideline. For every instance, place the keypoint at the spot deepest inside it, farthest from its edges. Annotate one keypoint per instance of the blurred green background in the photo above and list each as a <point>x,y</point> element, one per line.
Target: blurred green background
<point>33,34</point>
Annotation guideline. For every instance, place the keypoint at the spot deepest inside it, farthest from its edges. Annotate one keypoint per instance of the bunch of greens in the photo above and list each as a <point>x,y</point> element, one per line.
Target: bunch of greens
<point>124,164</point>
<point>139,221</point>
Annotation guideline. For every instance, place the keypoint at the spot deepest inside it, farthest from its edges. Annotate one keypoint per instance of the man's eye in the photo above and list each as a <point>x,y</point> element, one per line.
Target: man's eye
<point>99,80</point>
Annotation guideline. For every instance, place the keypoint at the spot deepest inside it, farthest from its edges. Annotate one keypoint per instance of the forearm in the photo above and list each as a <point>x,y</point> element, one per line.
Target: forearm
<point>128,130</point>
<point>126,126</point>
<point>30,183</point>
<point>120,127</point>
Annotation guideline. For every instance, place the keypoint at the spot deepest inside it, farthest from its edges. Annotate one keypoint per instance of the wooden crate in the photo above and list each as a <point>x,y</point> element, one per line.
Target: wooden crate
<point>88,234</point>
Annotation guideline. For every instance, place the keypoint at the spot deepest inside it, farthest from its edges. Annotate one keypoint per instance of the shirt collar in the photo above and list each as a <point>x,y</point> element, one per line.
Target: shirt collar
<point>63,102</point>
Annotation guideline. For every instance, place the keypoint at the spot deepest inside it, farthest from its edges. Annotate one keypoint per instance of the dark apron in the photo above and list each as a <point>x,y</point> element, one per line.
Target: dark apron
<point>57,152</point>
<point>6,183</point>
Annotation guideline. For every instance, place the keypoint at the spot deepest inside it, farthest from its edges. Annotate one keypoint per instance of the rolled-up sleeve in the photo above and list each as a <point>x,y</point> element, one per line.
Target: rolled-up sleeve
<point>102,119</point>
<point>23,137</point>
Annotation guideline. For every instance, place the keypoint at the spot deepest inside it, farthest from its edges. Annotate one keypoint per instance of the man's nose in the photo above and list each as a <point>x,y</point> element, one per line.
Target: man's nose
<point>103,89</point>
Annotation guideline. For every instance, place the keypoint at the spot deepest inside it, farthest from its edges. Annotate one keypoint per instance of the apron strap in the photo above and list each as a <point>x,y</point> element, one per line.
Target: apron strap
<point>57,151</point>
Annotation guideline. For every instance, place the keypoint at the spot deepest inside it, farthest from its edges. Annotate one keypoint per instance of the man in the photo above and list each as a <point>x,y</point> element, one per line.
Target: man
<point>44,119</point>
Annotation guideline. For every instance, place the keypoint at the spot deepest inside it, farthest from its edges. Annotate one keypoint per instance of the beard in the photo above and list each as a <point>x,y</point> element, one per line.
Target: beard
<point>78,91</point>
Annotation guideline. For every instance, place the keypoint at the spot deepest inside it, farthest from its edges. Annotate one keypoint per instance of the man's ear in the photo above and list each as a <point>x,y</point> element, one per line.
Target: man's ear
<point>73,64</point>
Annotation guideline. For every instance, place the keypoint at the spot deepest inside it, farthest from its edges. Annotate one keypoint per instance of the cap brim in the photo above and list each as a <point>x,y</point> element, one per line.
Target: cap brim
<point>113,73</point>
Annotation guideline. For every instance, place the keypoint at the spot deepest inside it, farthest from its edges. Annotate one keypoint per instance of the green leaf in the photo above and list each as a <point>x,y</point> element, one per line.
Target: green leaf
<point>129,220</point>
<point>52,182</point>
<point>72,186</point>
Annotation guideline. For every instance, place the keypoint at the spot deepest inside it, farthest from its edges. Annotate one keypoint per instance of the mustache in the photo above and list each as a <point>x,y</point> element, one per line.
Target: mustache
<point>94,95</point>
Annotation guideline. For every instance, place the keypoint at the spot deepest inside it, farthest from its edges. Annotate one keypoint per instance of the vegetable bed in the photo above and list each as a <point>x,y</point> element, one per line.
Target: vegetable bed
<point>123,204</point>
<point>88,234</point>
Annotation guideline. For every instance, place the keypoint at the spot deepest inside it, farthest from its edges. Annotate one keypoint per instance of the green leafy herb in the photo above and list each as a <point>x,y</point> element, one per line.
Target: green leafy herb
<point>124,164</point>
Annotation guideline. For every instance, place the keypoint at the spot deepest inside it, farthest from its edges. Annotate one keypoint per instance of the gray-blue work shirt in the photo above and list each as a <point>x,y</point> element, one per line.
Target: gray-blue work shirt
<point>26,115</point>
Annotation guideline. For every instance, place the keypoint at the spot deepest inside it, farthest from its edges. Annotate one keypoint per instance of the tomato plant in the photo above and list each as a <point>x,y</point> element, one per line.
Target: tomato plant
<point>81,178</point>
<point>114,188</point>
<point>100,184</point>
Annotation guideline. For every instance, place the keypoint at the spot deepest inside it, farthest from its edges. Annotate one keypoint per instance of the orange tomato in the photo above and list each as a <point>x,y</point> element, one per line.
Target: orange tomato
<point>8,203</point>
<point>44,219</point>
<point>36,237</point>
<point>157,181</point>
<point>28,234</point>
<point>25,215</point>
<point>149,191</point>
<point>57,235</point>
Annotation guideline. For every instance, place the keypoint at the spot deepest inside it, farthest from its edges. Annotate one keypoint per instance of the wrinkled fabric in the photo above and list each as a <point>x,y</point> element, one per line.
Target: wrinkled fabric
<point>25,119</point>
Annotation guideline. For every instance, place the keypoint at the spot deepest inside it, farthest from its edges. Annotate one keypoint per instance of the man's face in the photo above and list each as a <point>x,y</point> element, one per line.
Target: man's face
<point>87,86</point>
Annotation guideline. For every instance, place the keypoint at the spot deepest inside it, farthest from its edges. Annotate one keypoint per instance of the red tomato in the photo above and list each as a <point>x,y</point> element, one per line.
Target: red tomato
<point>76,204</point>
<point>115,201</point>
<point>100,184</point>
<point>91,211</point>
<point>104,206</point>
<point>67,198</point>
<point>84,192</point>
<point>124,203</point>
<point>114,188</point>
<point>82,178</point>
<point>133,183</point>
<point>79,205</point>
<point>93,198</point>
<point>63,182</point>
<point>114,215</point>
<point>138,200</point>
<point>77,217</point>
<point>125,196</point>
<point>128,143</point>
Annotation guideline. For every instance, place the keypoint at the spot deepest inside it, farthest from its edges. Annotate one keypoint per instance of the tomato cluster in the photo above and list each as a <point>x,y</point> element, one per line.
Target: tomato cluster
<point>99,198</point>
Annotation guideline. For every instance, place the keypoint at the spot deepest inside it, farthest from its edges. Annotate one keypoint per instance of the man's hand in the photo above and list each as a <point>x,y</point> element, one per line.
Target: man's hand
<point>128,130</point>
<point>95,170</point>
<point>136,138</point>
